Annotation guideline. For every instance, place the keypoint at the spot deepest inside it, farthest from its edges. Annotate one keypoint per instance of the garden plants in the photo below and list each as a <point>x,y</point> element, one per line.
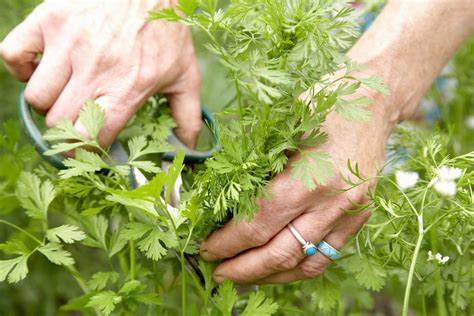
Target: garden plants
<point>121,249</point>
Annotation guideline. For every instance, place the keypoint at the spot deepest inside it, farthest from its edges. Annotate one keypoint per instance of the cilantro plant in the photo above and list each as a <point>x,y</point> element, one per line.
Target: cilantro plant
<point>273,51</point>
<point>125,249</point>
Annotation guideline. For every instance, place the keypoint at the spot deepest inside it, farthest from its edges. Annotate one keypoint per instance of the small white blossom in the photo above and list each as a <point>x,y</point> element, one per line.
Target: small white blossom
<point>444,182</point>
<point>446,173</point>
<point>446,188</point>
<point>406,179</point>
<point>470,122</point>
<point>438,257</point>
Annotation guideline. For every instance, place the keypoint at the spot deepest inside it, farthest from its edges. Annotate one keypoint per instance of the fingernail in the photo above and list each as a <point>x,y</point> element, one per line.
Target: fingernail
<point>206,255</point>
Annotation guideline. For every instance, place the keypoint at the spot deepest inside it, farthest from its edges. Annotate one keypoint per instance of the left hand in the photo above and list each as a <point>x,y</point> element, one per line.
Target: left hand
<point>264,250</point>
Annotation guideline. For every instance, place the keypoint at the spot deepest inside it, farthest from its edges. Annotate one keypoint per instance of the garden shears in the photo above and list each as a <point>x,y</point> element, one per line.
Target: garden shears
<point>120,156</point>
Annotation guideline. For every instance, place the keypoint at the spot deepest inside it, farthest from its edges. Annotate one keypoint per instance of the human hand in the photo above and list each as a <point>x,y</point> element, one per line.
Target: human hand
<point>264,250</point>
<point>105,51</point>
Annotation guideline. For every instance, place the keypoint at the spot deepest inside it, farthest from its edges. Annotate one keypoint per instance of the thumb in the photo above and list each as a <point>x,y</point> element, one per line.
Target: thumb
<point>185,106</point>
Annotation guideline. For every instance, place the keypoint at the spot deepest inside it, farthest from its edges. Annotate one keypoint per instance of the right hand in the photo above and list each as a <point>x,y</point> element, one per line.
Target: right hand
<point>105,51</point>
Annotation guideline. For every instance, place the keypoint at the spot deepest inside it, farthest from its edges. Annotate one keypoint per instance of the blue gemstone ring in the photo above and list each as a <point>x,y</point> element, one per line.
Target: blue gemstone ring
<point>309,249</point>
<point>328,250</point>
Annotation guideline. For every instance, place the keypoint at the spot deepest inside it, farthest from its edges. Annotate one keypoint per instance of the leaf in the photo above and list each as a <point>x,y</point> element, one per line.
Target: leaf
<point>14,246</point>
<point>85,162</point>
<point>96,227</point>
<point>375,83</point>
<point>207,269</point>
<point>355,109</point>
<point>370,275</point>
<point>92,116</point>
<point>105,301</point>
<point>135,230</point>
<point>147,166</point>
<point>150,191</point>
<point>147,206</point>
<point>130,287</point>
<point>152,245</point>
<point>226,297</point>
<point>67,233</point>
<point>167,14</point>
<point>174,172</point>
<point>62,147</point>
<point>187,6</point>
<point>35,196</point>
<point>15,269</point>
<point>325,293</point>
<point>117,243</point>
<point>56,254</point>
<point>148,299</point>
<point>313,168</point>
<point>78,303</point>
<point>139,147</point>
<point>99,280</point>
<point>64,130</point>
<point>259,305</point>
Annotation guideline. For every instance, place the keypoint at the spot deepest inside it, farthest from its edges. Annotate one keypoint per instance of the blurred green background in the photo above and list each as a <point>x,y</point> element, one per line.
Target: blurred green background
<point>11,13</point>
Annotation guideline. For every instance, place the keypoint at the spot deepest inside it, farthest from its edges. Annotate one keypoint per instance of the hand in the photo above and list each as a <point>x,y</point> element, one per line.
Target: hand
<point>105,51</point>
<point>264,250</point>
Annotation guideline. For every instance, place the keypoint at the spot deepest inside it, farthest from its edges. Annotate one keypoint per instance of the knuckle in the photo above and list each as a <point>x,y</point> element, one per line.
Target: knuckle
<point>311,270</point>
<point>35,98</point>
<point>194,126</point>
<point>10,53</point>
<point>256,235</point>
<point>282,260</point>
<point>51,120</point>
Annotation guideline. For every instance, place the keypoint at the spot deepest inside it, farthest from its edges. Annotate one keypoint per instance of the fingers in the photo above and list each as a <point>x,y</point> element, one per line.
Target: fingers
<point>288,199</point>
<point>273,215</point>
<point>281,253</point>
<point>186,106</point>
<point>312,267</point>
<point>20,48</point>
<point>71,100</point>
<point>48,80</point>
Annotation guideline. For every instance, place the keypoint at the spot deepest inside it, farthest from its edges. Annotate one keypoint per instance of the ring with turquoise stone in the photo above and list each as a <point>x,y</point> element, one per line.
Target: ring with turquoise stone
<point>309,249</point>
<point>328,250</point>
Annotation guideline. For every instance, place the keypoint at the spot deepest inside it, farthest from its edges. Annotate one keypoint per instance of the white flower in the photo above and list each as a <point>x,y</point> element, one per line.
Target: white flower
<point>438,257</point>
<point>470,122</point>
<point>446,188</point>
<point>445,183</point>
<point>406,179</point>
<point>446,173</point>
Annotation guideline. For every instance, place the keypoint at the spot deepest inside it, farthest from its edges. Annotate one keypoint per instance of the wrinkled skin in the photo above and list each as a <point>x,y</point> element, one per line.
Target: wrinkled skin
<point>105,51</point>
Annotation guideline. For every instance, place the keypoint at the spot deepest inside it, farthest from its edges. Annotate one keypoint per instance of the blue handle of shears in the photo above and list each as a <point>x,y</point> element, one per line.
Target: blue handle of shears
<point>36,138</point>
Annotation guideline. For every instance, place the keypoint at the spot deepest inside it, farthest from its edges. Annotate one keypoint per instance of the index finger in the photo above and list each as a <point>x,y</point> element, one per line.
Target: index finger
<point>21,47</point>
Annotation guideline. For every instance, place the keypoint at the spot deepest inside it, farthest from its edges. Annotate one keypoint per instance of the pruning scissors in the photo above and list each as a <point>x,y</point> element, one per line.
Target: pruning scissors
<point>120,156</point>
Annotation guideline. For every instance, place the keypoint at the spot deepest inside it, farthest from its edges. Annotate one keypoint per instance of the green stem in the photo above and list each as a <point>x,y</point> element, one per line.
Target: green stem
<point>423,300</point>
<point>183,285</point>
<point>79,279</point>
<point>456,289</point>
<point>132,260</point>
<point>132,254</point>
<point>241,112</point>
<point>22,230</point>
<point>441,306</point>
<point>406,299</point>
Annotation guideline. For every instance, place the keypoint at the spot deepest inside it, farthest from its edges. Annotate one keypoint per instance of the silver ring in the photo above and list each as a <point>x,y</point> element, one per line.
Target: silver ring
<point>329,251</point>
<point>309,249</point>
